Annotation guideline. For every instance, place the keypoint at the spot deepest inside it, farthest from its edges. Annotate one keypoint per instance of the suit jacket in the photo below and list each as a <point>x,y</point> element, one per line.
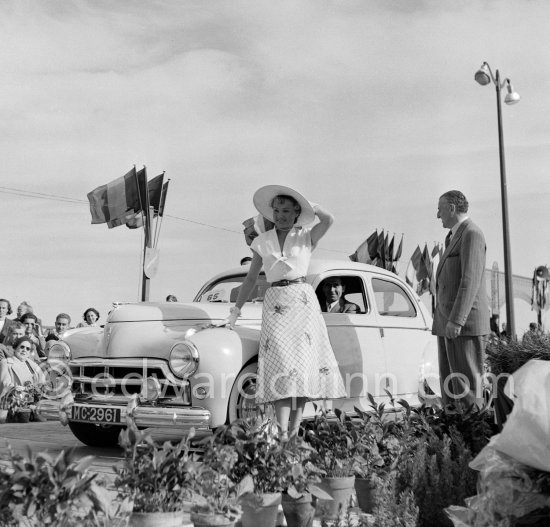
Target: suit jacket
<point>342,307</point>
<point>5,329</point>
<point>461,294</point>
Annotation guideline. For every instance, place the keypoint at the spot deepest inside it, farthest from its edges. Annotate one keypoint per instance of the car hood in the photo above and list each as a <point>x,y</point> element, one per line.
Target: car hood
<point>165,311</point>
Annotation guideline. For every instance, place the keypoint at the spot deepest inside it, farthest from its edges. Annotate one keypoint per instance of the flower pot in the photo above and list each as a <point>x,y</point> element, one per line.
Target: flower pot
<point>298,512</point>
<point>364,489</point>
<point>23,415</point>
<point>260,510</point>
<point>200,519</point>
<point>341,490</point>
<point>158,519</point>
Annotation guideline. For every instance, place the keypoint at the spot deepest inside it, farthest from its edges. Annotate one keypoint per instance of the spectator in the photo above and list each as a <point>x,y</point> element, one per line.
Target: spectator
<point>62,323</point>
<point>33,331</point>
<point>5,322</point>
<point>90,316</point>
<point>19,369</point>
<point>22,308</point>
<point>17,330</point>
<point>535,332</point>
<point>171,298</point>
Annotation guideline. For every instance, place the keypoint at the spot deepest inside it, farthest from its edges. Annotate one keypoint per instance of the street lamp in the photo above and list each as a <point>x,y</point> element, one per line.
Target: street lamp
<point>484,76</point>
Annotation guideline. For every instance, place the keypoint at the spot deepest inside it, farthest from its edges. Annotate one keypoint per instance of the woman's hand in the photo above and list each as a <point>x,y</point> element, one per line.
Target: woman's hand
<point>234,314</point>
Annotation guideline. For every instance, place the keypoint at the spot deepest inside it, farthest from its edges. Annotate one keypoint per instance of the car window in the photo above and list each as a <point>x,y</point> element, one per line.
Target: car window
<point>227,290</point>
<point>391,300</point>
<point>354,298</point>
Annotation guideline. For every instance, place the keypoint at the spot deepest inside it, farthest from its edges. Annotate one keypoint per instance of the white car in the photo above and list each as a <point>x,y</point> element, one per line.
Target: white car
<point>167,365</point>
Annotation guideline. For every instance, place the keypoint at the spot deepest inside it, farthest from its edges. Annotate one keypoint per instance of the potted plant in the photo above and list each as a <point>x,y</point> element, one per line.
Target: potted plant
<point>260,467</point>
<point>154,478</point>
<point>302,481</point>
<point>335,441</point>
<point>40,489</point>
<point>214,495</point>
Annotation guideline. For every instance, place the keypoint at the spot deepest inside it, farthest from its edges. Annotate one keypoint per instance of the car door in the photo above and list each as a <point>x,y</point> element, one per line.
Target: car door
<point>357,344</point>
<point>404,331</point>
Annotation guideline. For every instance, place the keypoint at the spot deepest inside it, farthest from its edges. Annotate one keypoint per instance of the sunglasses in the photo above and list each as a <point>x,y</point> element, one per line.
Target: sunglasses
<point>24,348</point>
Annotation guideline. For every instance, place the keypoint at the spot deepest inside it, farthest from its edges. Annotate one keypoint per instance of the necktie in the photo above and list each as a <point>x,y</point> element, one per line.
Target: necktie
<point>448,238</point>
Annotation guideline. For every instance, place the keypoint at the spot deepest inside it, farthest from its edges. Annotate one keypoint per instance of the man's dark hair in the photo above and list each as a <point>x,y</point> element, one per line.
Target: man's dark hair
<point>456,198</point>
<point>63,315</point>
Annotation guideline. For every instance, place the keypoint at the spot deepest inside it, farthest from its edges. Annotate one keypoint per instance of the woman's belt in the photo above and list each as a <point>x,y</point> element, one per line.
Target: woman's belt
<point>283,283</point>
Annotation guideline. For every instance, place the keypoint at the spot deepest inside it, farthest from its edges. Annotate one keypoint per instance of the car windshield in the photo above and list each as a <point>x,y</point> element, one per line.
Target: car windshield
<point>227,290</point>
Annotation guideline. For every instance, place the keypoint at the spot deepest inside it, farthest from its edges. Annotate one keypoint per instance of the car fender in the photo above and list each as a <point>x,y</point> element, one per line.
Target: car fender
<point>222,355</point>
<point>429,370</point>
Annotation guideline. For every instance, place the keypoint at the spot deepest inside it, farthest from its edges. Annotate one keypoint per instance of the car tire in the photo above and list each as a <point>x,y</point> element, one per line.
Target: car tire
<point>241,401</point>
<point>96,435</point>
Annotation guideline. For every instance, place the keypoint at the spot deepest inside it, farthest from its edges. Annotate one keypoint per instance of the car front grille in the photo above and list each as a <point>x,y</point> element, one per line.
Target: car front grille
<point>123,378</point>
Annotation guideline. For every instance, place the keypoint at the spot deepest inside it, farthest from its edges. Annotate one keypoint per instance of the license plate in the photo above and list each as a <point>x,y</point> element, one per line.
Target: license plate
<point>95,414</point>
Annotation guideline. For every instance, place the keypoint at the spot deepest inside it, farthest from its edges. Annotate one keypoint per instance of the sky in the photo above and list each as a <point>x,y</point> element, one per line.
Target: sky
<point>368,108</point>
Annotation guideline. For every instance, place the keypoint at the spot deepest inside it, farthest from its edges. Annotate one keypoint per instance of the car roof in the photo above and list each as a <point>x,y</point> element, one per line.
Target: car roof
<point>317,266</point>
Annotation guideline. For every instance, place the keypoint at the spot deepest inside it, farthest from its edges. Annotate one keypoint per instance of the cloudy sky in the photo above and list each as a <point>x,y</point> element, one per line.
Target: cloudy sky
<point>367,107</point>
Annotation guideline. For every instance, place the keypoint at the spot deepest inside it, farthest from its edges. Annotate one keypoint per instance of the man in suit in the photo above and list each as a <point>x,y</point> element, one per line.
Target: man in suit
<point>333,290</point>
<point>461,319</point>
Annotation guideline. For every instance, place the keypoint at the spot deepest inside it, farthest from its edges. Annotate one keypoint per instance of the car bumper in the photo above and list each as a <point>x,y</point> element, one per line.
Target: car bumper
<point>170,419</point>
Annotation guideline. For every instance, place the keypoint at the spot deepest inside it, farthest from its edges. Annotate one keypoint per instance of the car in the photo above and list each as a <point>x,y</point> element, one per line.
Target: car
<point>176,366</point>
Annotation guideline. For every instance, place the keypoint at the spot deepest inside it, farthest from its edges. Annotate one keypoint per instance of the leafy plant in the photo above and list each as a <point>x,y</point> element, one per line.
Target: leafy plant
<point>154,477</point>
<point>212,490</point>
<point>335,441</point>
<point>40,490</point>
<point>22,397</point>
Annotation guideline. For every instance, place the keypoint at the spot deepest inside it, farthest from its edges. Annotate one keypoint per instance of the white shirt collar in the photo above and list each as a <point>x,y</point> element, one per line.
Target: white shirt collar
<point>457,225</point>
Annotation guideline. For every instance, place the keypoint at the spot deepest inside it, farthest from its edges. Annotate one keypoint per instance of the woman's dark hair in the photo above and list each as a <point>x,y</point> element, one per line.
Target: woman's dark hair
<point>9,305</point>
<point>24,317</point>
<point>20,340</point>
<point>93,310</point>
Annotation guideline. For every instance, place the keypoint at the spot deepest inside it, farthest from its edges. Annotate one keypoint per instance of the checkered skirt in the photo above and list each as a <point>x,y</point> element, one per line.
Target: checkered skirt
<point>295,358</point>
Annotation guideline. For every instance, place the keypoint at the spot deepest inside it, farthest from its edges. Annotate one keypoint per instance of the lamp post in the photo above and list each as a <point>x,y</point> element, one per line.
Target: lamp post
<point>483,77</point>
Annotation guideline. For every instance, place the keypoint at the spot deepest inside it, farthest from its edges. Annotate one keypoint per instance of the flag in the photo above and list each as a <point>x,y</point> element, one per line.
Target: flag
<point>423,272</point>
<point>116,199</point>
<point>366,252</point>
<point>414,262</point>
<point>155,192</point>
<point>422,268</point>
<point>254,226</point>
<point>399,250</point>
<point>163,198</point>
<point>435,257</point>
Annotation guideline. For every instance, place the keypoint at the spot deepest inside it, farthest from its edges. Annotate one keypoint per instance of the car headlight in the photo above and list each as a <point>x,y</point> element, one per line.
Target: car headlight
<point>59,351</point>
<point>184,359</point>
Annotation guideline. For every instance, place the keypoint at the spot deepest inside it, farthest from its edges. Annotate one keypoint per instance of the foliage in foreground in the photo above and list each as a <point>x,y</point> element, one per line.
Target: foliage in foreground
<point>41,490</point>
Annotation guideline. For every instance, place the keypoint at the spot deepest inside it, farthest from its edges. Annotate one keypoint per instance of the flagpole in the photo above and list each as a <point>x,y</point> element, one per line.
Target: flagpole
<point>146,240</point>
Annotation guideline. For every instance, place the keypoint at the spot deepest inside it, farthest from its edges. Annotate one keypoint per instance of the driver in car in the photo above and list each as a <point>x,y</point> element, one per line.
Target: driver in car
<point>333,291</point>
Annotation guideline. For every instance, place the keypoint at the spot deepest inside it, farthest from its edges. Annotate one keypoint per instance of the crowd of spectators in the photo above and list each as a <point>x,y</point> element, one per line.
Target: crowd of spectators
<point>24,342</point>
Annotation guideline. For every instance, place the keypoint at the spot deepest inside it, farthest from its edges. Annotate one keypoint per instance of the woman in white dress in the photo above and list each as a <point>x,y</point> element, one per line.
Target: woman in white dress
<point>296,362</point>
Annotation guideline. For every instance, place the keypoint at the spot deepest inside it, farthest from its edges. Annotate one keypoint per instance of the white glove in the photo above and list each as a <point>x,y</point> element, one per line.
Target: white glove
<point>231,320</point>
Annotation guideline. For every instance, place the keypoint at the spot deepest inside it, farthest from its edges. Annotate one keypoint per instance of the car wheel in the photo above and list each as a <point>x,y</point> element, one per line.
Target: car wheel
<point>96,435</point>
<point>242,403</point>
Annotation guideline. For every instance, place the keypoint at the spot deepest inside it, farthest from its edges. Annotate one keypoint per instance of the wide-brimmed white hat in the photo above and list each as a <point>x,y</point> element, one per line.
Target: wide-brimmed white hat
<point>263,198</point>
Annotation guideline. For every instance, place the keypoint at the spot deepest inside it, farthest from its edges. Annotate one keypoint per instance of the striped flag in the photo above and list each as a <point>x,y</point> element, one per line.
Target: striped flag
<point>119,199</point>
<point>162,203</point>
<point>414,262</point>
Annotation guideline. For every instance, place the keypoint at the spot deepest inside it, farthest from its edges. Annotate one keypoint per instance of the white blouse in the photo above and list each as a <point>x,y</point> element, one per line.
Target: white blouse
<point>288,264</point>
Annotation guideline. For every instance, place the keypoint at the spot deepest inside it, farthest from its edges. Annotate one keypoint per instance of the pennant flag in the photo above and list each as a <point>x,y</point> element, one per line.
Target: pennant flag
<point>372,242</point>
<point>381,247</point>
<point>366,252</point>
<point>155,192</point>
<point>422,269</point>
<point>413,265</point>
<point>435,257</point>
<point>254,226</point>
<point>116,199</point>
<point>163,198</point>
<point>399,250</point>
